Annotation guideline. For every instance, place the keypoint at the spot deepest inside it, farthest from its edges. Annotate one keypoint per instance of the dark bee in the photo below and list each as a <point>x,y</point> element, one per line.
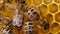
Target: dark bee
<point>45,25</point>
<point>29,28</point>
<point>32,14</point>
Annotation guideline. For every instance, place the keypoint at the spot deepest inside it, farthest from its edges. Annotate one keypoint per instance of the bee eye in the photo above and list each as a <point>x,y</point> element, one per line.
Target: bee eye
<point>46,27</point>
<point>30,23</point>
<point>30,32</point>
<point>10,32</point>
<point>32,10</point>
<point>21,1</point>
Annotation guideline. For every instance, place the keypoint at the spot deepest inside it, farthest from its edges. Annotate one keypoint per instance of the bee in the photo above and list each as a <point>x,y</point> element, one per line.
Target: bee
<point>6,20</point>
<point>29,28</point>
<point>17,20</point>
<point>18,17</point>
<point>32,14</point>
<point>7,23</point>
<point>45,25</point>
<point>1,18</point>
<point>7,31</point>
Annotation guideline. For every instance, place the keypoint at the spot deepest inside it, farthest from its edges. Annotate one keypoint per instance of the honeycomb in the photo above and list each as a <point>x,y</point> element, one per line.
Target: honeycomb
<point>49,9</point>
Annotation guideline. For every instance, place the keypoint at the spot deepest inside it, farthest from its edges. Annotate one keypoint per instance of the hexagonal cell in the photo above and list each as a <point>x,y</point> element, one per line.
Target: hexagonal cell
<point>43,9</point>
<point>47,1</point>
<point>37,2</point>
<point>57,1</point>
<point>53,8</point>
<point>49,18</point>
<point>55,27</point>
<point>57,17</point>
<point>28,3</point>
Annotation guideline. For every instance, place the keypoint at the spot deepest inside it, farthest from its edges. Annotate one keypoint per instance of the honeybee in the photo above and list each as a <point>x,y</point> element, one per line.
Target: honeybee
<point>18,17</point>
<point>32,14</point>
<point>29,28</point>
<point>7,31</point>
<point>17,20</point>
<point>44,25</point>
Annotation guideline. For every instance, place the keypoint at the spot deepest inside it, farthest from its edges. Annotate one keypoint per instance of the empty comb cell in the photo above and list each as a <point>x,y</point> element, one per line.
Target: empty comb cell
<point>49,18</point>
<point>55,27</point>
<point>43,9</point>
<point>57,17</point>
<point>37,2</point>
<point>53,8</point>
